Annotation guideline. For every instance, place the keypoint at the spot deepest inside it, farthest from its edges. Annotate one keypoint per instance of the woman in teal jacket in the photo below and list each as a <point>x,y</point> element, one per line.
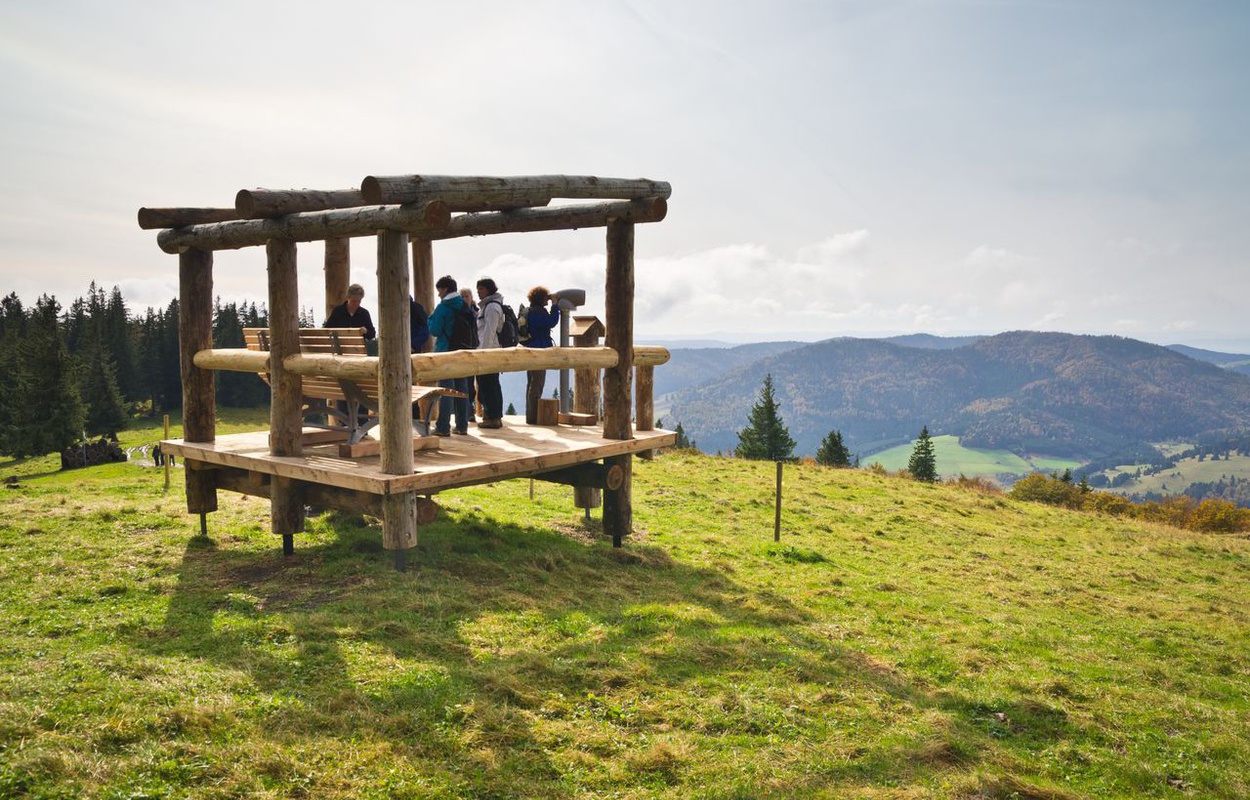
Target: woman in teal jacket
<point>442,325</point>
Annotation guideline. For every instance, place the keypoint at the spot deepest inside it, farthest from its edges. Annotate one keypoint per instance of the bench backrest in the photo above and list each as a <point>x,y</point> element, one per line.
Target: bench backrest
<point>335,341</point>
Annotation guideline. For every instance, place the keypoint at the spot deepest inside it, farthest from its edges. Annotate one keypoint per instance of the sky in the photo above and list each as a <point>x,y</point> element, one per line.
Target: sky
<point>838,167</point>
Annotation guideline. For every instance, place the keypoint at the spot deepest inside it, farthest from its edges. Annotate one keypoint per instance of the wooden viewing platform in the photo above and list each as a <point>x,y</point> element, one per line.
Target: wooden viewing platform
<point>516,450</point>
<point>408,213</point>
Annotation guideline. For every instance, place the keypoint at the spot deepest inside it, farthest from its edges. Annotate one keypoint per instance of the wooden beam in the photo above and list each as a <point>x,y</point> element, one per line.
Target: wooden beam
<point>154,218</point>
<point>556,218</point>
<point>199,400</point>
<point>592,475</point>
<point>477,193</point>
<point>307,227</point>
<point>650,355</point>
<point>271,203</point>
<point>425,366</point>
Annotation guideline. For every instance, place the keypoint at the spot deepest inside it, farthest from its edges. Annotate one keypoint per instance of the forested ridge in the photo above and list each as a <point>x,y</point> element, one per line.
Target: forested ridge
<point>90,367</point>
<point>1087,397</point>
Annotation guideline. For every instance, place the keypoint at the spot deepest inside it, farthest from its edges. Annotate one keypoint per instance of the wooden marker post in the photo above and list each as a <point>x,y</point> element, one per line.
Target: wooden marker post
<point>777,515</point>
<point>164,460</point>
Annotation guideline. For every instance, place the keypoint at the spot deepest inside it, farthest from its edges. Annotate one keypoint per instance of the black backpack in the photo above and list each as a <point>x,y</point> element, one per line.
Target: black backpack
<point>419,324</point>
<point>464,329</point>
<point>508,336</point>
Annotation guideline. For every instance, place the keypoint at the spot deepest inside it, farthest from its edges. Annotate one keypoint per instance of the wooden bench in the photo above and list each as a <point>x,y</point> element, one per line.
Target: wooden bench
<point>349,407</point>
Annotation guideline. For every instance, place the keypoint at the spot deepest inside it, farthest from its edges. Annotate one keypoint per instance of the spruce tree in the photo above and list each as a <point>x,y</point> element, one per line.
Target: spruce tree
<point>923,462</point>
<point>832,451</point>
<point>48,402</point>
<point>106,411</point>
<point>683,441</point>
<point>766,438</point>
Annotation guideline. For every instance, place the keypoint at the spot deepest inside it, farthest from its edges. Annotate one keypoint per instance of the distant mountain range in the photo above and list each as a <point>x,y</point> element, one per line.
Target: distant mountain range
<point>1056,394</point>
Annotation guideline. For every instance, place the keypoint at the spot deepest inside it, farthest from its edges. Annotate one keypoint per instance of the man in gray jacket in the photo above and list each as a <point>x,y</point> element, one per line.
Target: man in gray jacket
<point>489,322</point>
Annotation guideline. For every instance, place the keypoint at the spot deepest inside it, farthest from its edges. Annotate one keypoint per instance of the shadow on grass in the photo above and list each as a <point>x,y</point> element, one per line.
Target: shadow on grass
<point>497,624</point>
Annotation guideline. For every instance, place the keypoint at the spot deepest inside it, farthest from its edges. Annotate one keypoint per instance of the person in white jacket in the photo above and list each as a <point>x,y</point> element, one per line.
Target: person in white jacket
<point>489,322</point>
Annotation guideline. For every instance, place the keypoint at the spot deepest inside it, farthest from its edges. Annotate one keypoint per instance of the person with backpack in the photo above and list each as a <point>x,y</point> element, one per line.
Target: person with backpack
<point>493,329</point>
<point>453,327</point>
<point>539,322</point>
<point>418,324</point>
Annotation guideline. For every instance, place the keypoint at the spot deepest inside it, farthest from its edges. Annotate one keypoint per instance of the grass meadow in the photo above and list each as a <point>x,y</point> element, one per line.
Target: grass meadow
<point>953,459</point>
<point>902,640</point>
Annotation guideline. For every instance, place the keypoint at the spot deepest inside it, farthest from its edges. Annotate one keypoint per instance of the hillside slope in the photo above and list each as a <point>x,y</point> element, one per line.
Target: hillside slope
<point>902,640</point>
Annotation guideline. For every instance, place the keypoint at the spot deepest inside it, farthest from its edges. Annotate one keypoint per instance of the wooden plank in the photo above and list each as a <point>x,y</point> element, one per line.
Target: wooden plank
<point>576,418</point>
<point>373,447</point>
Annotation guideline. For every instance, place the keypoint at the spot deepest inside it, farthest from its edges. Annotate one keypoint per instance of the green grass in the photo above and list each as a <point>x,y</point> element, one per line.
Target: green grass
<point>902,640</point>
<point>954,459</point>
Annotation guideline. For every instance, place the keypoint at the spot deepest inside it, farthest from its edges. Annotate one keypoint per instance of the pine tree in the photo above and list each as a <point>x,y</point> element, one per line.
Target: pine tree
<point>50,409</point>
<point>106,412</point>
<point>683,442</point>
<point>832,451</point>
<point>766,438</point>
<point>923,462</point>
<point>511,410</point>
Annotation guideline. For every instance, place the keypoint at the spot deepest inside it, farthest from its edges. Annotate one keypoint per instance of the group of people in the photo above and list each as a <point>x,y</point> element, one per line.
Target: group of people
<point>489,318</point>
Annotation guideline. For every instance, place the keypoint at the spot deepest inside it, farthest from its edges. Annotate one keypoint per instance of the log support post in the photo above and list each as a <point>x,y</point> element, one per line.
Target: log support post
<point>644,407</point>
<point>199,401</point>
<point>586,401</point>
<point>286,500</point>
<point>423,277</point>
<point>619,335</point>
<point>338,268</point>
<point>399,520</point>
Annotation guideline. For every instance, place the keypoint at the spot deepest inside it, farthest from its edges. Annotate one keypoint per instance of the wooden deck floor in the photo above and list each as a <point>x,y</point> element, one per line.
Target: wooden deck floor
<point>483,456</point>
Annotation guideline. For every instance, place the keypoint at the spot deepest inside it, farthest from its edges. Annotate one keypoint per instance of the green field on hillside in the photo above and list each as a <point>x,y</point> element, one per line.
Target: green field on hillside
<point>953,459</point>
<point>1177,479</point>
<point>902,640</point>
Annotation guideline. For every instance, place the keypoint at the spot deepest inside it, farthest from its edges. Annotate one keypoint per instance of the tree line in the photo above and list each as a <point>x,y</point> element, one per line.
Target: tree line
<point>86,370</point>
<point>766,438</point>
